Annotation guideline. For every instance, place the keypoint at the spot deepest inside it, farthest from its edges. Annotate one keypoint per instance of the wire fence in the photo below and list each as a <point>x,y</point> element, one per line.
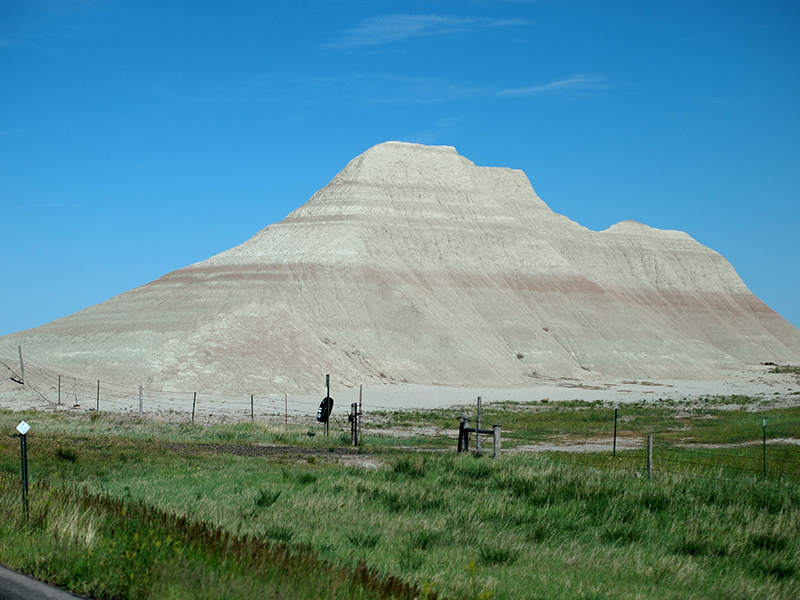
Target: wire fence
<point>590,434</point>
<point>724,437</point>
<point>59,389</point>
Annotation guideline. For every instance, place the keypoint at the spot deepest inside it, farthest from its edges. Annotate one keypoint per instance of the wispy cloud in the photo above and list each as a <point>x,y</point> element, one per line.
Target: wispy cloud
<point>434,134</point>
<point>368,88</point>
<point>48,206</point>
<point>569,84</point>
<point>386,29</point>
<point>377,89</point>
<point>278,86</point>
<point>359,88</point>
<point>508,22</point>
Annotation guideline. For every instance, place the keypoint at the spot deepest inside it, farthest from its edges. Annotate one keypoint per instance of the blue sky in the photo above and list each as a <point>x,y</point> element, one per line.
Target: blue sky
<point>140,137</point>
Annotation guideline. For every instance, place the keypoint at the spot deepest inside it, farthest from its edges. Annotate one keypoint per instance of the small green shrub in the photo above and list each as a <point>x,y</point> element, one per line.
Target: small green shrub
<point>279,533</point>
<point>67,454</point>
<point>306,478</point>
<point>364,539</point>
<point>426,539</point>
<point>266,498</point>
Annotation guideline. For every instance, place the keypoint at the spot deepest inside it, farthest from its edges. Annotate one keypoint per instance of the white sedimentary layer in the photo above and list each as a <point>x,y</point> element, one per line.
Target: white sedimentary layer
<point>414,265</point>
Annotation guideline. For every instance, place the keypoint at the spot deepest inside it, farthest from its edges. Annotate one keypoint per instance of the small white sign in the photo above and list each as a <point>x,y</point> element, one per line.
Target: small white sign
<point>23,428</point>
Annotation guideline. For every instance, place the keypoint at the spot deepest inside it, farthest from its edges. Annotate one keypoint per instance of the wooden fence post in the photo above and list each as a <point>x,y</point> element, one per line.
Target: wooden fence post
<point>496,448</point>
<point>461,432</point>
<point>650,456</point>
<point>478,429</point>
<point>21,365</point>
<point>764,455</point>
<point>354,424</point>
<point>194,402</point>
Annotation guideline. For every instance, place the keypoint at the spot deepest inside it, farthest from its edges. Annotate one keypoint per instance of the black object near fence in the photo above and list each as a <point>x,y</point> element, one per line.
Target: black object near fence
<point>464,430</point>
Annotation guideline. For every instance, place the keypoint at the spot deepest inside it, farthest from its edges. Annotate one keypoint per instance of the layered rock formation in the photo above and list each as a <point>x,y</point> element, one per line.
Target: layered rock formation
<point>414,265</point>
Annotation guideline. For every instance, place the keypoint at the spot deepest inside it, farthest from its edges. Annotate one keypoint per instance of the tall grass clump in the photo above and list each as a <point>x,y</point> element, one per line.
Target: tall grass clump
<point>104,547</point>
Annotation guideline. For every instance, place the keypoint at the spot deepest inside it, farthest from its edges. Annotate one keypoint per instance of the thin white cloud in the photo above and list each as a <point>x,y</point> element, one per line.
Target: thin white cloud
<point>508,22</point>
<point>378,89</point>
<point>272,87</point>
<point>53,205</point>
<point>387,29</point>
<point>434,135</point>
<point>361,88</point>
<point>364,89</point>
<point>393,28</point>
<point>573,83</point>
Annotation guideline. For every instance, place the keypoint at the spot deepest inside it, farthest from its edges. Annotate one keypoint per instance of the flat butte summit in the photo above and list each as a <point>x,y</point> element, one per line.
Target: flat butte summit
<point>414,265</point>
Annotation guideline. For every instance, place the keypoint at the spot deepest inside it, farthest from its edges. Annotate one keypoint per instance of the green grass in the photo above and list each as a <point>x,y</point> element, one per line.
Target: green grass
<point>785,369</point>
<point>105,547</point>
<point>550,525</point>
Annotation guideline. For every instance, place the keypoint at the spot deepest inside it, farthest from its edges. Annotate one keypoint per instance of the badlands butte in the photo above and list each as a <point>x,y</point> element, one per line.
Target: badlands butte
<point>414,266</point>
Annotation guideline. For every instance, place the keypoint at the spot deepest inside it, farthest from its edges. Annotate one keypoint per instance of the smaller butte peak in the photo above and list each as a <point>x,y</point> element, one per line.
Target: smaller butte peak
<point>635,228</point>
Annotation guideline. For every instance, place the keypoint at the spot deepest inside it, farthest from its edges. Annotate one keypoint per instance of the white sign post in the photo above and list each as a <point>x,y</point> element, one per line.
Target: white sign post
<point>23,429</point>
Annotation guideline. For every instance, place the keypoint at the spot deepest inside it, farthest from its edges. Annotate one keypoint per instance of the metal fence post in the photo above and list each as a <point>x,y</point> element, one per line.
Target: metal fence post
<point>478,429</point>
<point>351,419</point>
<point>764,425</point>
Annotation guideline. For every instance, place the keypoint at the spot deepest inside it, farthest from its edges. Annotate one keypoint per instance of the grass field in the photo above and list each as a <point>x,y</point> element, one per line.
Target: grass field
<point>249,507</point>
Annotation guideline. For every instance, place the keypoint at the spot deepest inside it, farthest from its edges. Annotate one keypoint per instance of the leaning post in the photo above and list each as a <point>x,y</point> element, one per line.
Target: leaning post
<point>21,365</point>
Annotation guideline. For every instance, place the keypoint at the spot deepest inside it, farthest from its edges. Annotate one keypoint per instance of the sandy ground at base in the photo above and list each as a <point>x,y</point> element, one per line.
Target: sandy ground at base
<point>755,381</point>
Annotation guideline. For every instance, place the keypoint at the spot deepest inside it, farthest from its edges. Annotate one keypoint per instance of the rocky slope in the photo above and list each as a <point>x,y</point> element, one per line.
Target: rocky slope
<point>414,265</point>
